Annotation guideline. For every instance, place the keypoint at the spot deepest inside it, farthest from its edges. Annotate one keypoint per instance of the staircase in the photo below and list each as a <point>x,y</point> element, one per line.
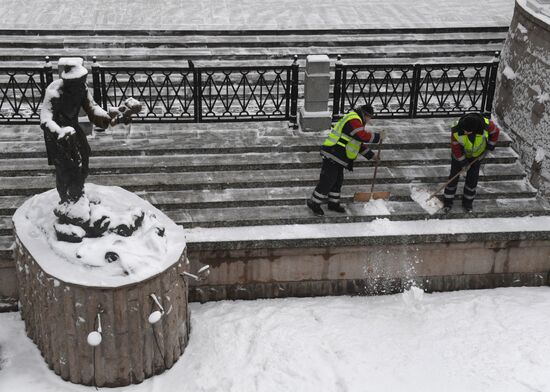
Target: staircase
<point>256,174</point>
<point>217,48</point>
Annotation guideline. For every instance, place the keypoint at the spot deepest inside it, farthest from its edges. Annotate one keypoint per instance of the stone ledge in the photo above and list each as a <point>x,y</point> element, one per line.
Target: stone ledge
<point>378,232</point>
<point>365,286</point>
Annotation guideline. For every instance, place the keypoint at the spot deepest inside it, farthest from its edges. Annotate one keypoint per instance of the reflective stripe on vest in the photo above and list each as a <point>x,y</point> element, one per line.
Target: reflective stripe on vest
<point>475,149</point>
<point>335,136</point>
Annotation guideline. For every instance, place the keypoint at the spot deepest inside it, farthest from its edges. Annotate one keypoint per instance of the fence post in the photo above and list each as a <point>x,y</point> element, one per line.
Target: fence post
<point>314,114</point>
<point>337,89</point>
<point>294,93</point>
<point>48,72</point>
<point>197,92</point>
<point>415,90</point>
<point>96,81</point>
<point>492,83</point>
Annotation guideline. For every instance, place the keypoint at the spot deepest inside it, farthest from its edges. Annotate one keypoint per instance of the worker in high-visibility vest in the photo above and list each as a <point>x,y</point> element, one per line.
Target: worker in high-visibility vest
<point>344,143</point>
<point>471,136</point>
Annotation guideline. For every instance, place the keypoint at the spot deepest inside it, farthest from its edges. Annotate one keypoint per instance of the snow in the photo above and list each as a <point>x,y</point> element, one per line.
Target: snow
<point>509,73</point>
<point>46,115</point>
<point>79,210</point>
<point>233,15</point>
<point>476,341</point>
<point>154,246</point>
<point>421,196</point>
<point>72,68</point>
<point>522,28</point>
<point>540,155</point>
<point>376,207</point>
<point>537,9</point>
<point>541,98</point>
<point>376,228</point>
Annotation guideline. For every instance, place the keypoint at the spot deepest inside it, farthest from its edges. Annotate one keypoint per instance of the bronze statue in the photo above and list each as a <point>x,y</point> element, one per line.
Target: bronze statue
<point>66,144</point>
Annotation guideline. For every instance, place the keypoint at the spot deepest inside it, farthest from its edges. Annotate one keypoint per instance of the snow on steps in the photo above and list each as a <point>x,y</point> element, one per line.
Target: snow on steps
<point>209,175</point>
<point>234,48</point>
<point>221,176</point>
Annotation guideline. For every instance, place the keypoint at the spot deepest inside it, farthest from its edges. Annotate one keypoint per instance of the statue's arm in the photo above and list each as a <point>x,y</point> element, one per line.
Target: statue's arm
<point>95,113</point>
<point>47,122</point>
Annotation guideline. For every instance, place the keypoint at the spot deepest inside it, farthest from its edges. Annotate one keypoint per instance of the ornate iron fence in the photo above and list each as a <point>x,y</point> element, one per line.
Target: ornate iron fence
<point>167,94</point>
<point>193,94</point>
<point>174,94</point>
<point>202,94</point>
<point>21,93</point>
<point>420,90</point>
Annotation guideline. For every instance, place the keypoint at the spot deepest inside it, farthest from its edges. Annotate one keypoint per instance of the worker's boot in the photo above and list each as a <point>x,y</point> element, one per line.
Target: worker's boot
<point>447,206</point>
<point>467,205</point>
<point>336,207</point>
<point>315,207</point>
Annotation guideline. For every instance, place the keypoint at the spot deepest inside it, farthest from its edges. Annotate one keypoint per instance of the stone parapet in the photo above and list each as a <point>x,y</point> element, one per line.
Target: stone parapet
<point>376,258</point>
<point>522,98</point>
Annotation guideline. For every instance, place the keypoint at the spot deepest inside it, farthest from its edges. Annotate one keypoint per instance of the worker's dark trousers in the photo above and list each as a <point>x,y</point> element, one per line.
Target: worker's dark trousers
<point>330,183</point>
<point>470,184</point>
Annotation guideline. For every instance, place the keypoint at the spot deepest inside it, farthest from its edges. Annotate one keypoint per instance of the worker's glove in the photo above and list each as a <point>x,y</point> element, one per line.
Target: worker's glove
<point>463,163</point>
<point>369,155</point>
<point>382,136</point>
<point>490,147</point>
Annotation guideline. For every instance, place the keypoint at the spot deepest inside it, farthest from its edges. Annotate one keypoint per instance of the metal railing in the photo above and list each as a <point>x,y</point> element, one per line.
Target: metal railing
<point>420,90</point>
<point>175,94</point>
<point>261,93</point>
<point>22,91</point>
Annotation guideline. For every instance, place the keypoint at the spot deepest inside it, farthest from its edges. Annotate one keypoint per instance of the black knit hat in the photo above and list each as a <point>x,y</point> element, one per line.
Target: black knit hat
<point>472,122</point>
<point>367,110</point>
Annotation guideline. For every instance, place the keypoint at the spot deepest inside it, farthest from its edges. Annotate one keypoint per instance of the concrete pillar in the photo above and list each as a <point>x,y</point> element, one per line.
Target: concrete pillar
<point>314,115</point>
<point>522,95</point>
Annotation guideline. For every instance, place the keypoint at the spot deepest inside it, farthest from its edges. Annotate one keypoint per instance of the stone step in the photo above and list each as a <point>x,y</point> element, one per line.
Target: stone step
<point>56,41</point>
<point>434,59</point>
<point>6,252</point>
<point>225,162</point>
<point>356,212</point>
<point>157,139</point>
<point>201,30</point>
<point>232,197</point>
<point>184,54</point>
<point>28,185</point>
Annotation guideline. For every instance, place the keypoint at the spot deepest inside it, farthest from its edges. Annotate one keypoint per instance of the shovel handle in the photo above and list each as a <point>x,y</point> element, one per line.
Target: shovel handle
<point>376,166</point>
<point>463,170</point>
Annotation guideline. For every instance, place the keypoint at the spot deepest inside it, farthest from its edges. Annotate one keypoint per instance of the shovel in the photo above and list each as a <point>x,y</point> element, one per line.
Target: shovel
<point>366,196</point>
<point>464,170</point>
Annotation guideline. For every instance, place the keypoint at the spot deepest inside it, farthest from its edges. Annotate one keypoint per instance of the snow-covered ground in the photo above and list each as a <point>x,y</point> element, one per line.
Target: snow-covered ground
<point>251,14</point>
<point>486,340</point>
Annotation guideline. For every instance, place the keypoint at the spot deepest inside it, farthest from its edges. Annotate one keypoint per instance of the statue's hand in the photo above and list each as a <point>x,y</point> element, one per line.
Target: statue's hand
<point>65,133</point>
<point>123,114</point>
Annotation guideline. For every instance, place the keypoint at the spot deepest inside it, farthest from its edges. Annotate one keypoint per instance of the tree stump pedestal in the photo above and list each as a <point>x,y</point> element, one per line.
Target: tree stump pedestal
<point>95,328</point>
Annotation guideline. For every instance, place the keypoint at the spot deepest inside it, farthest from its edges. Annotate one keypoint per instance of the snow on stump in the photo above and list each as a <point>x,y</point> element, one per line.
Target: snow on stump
<point>107,311</point>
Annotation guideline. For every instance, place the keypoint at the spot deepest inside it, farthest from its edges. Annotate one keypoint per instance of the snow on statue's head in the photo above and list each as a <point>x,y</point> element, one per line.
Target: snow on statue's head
<point>73,72</point>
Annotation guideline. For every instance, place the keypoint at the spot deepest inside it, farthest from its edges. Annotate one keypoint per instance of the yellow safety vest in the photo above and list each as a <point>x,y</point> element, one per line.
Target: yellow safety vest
<point>335,136</point>
<point>475,149</point>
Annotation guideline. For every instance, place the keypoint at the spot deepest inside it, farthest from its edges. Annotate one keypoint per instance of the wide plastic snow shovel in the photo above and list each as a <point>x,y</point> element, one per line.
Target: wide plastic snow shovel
<point>366,196</point>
